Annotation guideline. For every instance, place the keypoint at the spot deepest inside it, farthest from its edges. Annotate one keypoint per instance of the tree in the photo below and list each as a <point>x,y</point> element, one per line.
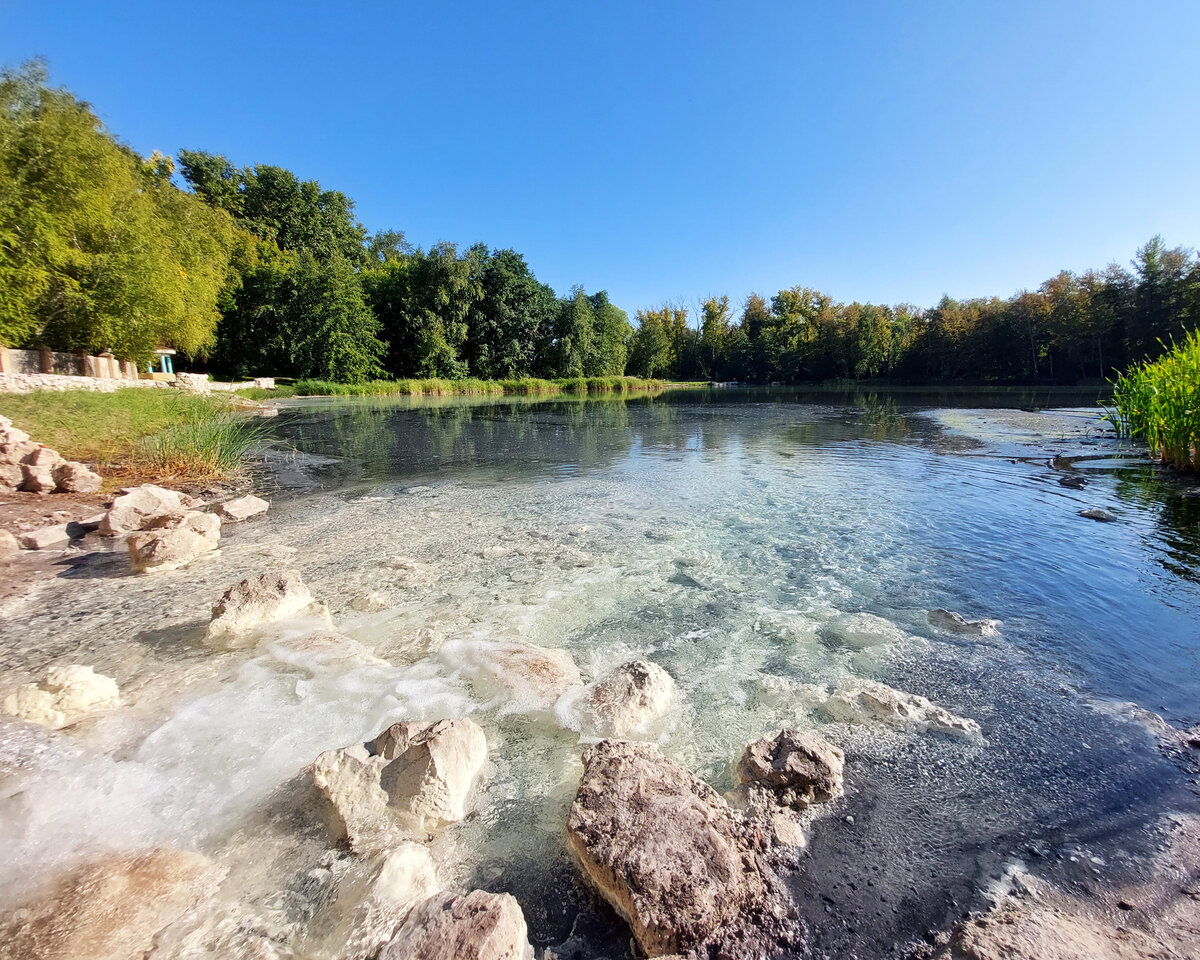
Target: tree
<point>658,341</point>
<point>571,354</point>
<point>511,322</point>
<point>611,335</point>
<point>715,321</point>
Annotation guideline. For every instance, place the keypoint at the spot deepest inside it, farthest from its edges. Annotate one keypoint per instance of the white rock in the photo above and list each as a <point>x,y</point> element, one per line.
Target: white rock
<point>66,696</point>
<point>243,508</point>
<point>9,545</point>
<point>957,623</point>
<point>629,699</point>
<point>369,603</point>
<point>370,910</point>
<point>473,926</point>
<point>135,509</point>
<point>71,477</point>
<point>538,676</point>
<point>45,537</point>
<point>253,602</point>
<point>865,701</point>
<point>171,541</point>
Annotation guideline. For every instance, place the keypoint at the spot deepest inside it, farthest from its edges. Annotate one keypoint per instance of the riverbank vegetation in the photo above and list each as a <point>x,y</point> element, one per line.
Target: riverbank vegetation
<point>1159,402</point>
<point>136,434</point>
<point>249,270</point>
<point>528,386</point>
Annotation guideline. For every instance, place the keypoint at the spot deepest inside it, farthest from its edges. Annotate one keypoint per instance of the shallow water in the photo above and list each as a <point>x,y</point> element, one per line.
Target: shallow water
<point>726,535</point>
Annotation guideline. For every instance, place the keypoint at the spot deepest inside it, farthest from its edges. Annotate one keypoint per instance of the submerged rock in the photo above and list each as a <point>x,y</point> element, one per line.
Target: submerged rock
<point>254,602</point>
<point>630,698</point>
<point>370,909</point>
<point>243,508</point>
<point>472,926</point>
<point>535,674</point>
<point>67,695</point>
<point>171,540</point>
<point>112,910</point>
<point>663,848</point>
<point>796,769</point>
<point>956,622</point>
<point>1102,515</point>
<point>862,630</point>
<point>411,779</point>
<point>865,701</point>
<point>133,510</point>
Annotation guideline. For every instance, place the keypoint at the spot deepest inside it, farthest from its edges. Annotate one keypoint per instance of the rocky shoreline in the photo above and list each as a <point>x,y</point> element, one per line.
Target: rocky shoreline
<point>692,871</point>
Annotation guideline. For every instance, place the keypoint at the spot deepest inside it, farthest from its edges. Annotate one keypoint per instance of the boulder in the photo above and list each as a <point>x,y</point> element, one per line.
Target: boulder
<point>795,769</point>
<point>67,695</point>
<point>253,602</point>
<point>71,477</point>
<point>9,545</point>
<point>430,769</point>
<point>133,510</point>
<point>957,623</point>
<point>411,779</point>
<point>472,926</point>
<point>865,701</point>
<point>175,539</point>
<point>45,537</point>
<point>630,698</point>
<point>243,508</point>
<point>111,910</point>
<point>1102,515</point>
<point>37,478</point>
<point>11,475</point>
<point>663,848</point>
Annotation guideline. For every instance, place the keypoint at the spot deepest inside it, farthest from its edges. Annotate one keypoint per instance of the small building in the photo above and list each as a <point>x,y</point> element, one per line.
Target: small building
<point>166,364</point>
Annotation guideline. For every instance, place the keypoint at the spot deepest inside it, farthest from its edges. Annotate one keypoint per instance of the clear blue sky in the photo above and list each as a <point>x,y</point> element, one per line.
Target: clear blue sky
<point>882,151</point>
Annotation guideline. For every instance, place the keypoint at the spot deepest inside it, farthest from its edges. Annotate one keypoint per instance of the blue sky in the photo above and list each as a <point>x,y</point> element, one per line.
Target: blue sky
<point>671,150</point>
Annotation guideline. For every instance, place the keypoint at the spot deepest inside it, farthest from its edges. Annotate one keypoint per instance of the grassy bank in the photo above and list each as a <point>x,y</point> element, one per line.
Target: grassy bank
<point>1159,402</point>
<point>528,386</point>
<point>136,434</point>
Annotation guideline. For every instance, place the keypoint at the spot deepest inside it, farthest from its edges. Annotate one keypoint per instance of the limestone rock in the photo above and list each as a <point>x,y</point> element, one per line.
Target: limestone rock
<point>112,910</point>
<point>175,539</point>
<point>370,910</point>
<point>862,630</point>
<point>630,698</point>
<point>66,696</point>
<point>37,478</point>
<point>243,508</point>
<point>11,475</point>
<point>9,545</point>
<point>864,701</point>
<point>957,623</point>
<point>411,779</point>
<point>535,674</point>
<point>663,848</point>
<point>132,511</point>
<point>45,537</point>
<point>473,926</point>
<point>797,769</point>
<point>253,602</point>
<point>326,647</point>
<point>71,477</point>
<point>369,603</point>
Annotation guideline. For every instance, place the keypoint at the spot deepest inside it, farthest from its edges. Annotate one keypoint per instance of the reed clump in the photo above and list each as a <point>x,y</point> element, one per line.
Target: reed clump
<point>1158,402</point>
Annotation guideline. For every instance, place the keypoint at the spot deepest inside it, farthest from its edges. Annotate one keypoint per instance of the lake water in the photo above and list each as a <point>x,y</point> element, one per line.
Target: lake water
<point>727,535</point>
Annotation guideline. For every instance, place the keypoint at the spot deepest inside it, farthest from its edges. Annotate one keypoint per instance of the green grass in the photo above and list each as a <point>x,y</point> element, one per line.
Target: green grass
<point>138,434</point>
<point>529,386</point>
<point>1159,402</point>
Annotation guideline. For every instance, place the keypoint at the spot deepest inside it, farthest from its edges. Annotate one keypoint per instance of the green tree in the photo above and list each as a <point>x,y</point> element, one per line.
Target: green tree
<point>511,323</point>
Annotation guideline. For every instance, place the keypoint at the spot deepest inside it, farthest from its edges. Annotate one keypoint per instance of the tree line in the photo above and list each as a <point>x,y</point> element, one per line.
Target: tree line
<point>252,270</point>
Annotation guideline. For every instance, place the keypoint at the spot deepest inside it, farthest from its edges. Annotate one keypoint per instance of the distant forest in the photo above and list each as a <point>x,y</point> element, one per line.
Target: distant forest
<point>251,270</point>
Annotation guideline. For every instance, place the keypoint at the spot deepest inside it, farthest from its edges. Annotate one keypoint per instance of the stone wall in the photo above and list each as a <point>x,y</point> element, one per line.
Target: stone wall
<point>31,382</point>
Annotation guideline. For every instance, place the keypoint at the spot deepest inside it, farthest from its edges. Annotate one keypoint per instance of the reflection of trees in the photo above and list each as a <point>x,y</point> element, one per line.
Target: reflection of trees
<point>1176,517</point>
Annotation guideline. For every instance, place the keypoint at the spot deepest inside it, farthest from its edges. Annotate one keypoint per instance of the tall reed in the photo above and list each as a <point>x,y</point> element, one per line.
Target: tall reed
<point>1159,402</point>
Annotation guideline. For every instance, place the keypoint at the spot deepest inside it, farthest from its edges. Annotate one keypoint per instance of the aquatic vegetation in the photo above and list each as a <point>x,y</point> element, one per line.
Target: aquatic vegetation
<point>1159,402</point>
<point>201,447</point>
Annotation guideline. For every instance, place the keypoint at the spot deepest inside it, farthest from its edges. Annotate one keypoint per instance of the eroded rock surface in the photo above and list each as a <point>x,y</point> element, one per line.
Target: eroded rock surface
<point>171,540</point>
<point>867,701</point>
<point>795,769</point>
<point>536,675</point>
<point>411,779</point>
<point>472,926</point>
<point>112,910</point>
<point>67,695</point>
<point>665,850</point>
<point>254,602</point>
<point>242,508</point>
<point>862,630</point>
<point>957,623</point>
<point>630,698</point>
<point>133,510</point>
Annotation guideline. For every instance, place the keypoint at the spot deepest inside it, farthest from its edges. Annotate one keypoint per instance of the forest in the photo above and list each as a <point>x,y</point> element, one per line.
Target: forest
<point>254,271</point>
